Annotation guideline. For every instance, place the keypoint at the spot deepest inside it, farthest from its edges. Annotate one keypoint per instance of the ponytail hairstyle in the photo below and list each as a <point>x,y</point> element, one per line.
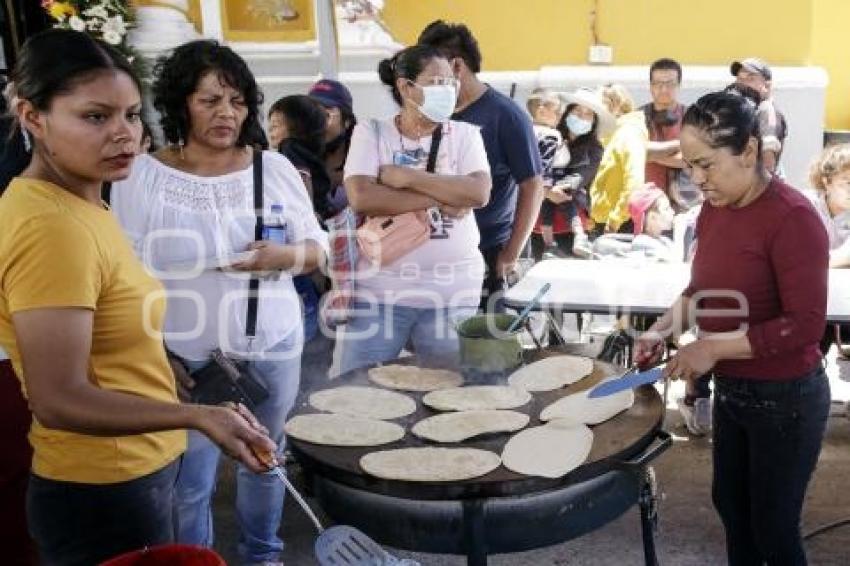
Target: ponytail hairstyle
<point>726,120</point>
<point>406,64</point>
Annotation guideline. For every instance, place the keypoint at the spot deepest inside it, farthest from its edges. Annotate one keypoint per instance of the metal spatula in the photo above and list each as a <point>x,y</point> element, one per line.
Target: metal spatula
<point>341,545</point>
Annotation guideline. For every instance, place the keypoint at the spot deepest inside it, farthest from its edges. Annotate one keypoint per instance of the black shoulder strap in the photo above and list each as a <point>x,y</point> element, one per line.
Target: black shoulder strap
<point>258,194</point>
<point>254,283</point>
<point>435,148</point>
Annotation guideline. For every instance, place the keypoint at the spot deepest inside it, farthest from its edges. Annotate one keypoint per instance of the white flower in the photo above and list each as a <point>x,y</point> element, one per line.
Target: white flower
<point>115,25</point>
<point>112,37</point>
<point>97,12</point>
<point>77,23</point>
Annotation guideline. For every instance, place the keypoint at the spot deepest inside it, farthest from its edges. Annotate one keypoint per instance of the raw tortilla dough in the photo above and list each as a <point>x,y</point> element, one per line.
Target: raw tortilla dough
<point>342,430</point>
<point>366,402</point>
<point>551,373</point>
<point>457,427</point>
<point>477,398</point>
<point>430,464</point>
<point>412,378</point>
<point>549,451</point>
<point>579,408</point>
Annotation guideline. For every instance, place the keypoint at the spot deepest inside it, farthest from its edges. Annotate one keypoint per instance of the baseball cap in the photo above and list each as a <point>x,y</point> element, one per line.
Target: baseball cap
<point>640,201</point>
<point>753,65</point>
<point>332,93</point>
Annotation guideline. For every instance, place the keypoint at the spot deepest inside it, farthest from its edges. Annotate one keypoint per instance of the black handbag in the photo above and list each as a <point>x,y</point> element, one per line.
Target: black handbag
<point>222,379</point>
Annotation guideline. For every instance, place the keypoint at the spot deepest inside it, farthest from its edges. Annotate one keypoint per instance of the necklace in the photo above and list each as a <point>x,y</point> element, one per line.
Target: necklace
<point>410,154</point>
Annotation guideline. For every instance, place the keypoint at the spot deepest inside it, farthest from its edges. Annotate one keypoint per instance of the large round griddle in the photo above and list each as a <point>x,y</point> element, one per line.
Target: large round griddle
<point>615,441</point>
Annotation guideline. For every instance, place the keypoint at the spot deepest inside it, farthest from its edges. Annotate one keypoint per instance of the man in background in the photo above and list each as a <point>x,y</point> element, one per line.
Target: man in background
<point>506,221</point>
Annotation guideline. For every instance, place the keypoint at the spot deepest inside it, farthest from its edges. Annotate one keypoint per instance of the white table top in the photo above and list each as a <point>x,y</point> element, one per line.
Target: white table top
<point>623,286</point>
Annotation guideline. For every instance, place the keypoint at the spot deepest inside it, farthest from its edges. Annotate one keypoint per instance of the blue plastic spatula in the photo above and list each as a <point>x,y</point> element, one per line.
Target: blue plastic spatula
<point>629,381</point>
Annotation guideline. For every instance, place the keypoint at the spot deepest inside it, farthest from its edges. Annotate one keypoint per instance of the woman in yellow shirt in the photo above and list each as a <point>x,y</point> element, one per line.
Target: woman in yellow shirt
<point>80,317</point>
<point>623,164</point>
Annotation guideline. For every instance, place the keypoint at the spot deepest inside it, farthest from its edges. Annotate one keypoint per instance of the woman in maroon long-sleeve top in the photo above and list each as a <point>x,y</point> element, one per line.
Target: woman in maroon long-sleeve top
<point>758,296</point>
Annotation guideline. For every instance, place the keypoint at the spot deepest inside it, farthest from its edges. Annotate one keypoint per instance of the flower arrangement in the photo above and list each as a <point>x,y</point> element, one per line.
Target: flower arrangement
<point>107,20</point>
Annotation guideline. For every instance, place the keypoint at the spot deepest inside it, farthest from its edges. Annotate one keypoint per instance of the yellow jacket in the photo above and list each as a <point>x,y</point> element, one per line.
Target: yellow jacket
<point>621,170</point>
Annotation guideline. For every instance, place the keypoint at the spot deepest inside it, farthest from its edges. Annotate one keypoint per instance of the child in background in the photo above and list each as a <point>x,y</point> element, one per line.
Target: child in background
<point>546,109</point>
<point>297,130</point>
<point>652,217</point>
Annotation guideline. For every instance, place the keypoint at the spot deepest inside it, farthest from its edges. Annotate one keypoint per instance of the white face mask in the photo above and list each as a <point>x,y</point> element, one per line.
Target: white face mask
<point>438,102</point>
<point>578,126</point>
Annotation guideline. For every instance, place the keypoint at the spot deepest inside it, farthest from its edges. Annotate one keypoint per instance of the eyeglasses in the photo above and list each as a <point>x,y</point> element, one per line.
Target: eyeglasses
<point>443,81</point>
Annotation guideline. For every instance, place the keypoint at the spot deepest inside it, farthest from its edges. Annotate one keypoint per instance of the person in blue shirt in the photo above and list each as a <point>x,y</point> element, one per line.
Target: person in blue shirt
<point>507,220</point>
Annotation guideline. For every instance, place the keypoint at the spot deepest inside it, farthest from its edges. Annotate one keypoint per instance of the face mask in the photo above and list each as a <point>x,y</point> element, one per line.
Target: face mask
<point>438,102</point>
<point>578,126</point>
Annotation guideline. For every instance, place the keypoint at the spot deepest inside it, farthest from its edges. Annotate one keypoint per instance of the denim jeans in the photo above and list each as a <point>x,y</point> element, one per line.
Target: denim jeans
<point>767,438</point>
<point>76,524</point>
<point>377,333</point>
<point>259,497</point>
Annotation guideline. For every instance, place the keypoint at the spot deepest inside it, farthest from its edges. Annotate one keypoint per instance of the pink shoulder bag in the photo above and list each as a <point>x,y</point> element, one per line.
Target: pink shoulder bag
<point>384,239</point>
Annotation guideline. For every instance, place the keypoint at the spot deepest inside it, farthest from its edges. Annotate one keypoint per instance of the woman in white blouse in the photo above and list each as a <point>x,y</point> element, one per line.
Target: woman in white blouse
<point>193,201</point>
<point>418,297</point>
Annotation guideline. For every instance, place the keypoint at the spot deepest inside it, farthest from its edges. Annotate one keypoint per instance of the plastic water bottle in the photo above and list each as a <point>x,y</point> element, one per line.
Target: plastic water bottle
<point>274,229</point>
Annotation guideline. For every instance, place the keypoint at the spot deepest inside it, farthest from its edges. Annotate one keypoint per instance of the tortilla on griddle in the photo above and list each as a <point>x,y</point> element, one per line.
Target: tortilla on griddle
<point>580,408</point>
<point>366,402</point>
<point>429,464</point>
<point>549,451</point>
<point>463,425</point>
<point>342,430</point>
<point>477,398</point>
<point>551,373</point>
<point>412,378</point>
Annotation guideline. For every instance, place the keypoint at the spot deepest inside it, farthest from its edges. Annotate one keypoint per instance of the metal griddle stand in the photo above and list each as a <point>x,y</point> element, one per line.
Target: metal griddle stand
<point>648,499</point>
<point>648,503</point>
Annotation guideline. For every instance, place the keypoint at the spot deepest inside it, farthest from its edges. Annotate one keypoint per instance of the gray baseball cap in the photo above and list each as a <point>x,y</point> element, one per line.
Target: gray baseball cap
<point>753,65</point>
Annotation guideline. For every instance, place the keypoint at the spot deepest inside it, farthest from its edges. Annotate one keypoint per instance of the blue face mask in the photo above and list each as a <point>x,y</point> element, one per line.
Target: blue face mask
<point>438,102</point>
<point>578,126</point>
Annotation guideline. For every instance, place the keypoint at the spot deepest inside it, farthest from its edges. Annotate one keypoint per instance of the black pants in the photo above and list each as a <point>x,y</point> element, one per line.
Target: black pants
<point>494,285</point>
<point>563,241</point>
<point>85,524</point>
<point>830,336</point>
<point>767,438</point>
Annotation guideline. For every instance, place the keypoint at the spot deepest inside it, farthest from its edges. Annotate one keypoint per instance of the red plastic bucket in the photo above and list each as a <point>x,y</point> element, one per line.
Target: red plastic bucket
<point>170,554</point>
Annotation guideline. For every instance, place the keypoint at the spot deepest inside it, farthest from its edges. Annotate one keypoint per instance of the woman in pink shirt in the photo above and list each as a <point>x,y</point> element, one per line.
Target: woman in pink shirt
<point>757,294</point>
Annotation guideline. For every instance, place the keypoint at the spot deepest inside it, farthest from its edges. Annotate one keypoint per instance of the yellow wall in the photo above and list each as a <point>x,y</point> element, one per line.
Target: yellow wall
<point>526,35</point>
<point>830,50</point>
<point>530,34</point>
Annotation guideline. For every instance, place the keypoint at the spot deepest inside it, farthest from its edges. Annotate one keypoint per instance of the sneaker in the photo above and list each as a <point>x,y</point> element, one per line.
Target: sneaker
<point>702,413</point>
<point>689,416</point>
<point>581,246</point>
